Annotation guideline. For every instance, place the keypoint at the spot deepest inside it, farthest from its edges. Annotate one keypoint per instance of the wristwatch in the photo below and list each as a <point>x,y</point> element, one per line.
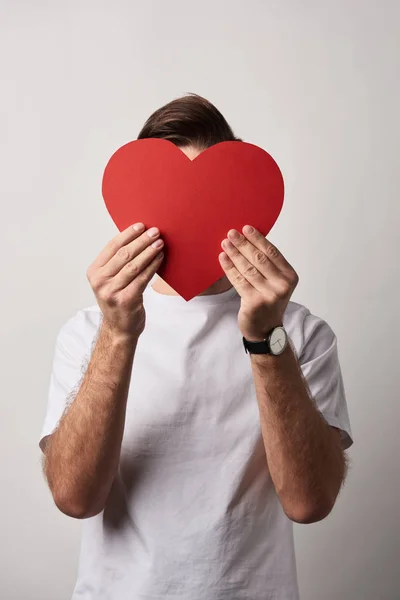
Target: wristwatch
<point>275,343</point>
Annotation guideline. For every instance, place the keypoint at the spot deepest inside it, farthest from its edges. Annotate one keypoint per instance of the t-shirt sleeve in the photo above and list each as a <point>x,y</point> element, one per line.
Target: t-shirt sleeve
<point>70,361</point>
<point>319,362</point>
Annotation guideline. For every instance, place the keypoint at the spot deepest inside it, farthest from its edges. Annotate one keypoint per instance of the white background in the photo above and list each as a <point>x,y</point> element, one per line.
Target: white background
<point>314,83</point>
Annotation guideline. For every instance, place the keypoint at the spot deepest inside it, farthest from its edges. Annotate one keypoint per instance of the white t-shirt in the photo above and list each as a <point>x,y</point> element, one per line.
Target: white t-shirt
<point>193,514</point>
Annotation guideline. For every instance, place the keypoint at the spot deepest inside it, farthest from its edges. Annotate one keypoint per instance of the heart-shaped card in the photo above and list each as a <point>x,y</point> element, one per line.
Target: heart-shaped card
<point>194,203</point>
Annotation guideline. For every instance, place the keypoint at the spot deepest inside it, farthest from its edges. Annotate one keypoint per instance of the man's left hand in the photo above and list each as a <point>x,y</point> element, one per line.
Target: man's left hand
<point>262,277</point>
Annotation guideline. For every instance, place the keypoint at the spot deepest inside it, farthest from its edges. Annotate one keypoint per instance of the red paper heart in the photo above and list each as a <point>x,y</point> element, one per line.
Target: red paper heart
<point>193,203</point>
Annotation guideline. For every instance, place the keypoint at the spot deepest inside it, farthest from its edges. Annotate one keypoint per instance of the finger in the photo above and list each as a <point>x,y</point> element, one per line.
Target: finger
<point>253,255</point>
<point>138,285</point>
<point>271,251</point>
<point>121,239</point>
<point>243,287</point>
<point>257,274</point>
<point>127,253</point>
<point>134,268</point>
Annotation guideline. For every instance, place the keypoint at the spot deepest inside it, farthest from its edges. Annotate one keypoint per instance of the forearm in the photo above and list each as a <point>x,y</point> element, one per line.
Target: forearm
<point>305,459</point>
<point>82,455</point>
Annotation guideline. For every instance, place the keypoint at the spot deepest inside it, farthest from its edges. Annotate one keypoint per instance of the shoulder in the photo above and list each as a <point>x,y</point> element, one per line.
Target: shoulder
<point>309,333</point>
<point>80,329</point>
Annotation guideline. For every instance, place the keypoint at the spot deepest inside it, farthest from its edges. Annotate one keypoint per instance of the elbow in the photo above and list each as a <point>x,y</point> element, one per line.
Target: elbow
<point>75,509</point>
<point>75,501</point>
<point>306,513</point>
<point>311,507</point>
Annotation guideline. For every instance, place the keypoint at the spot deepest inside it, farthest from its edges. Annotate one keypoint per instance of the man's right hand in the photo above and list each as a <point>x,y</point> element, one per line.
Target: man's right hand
<point>120,274</point>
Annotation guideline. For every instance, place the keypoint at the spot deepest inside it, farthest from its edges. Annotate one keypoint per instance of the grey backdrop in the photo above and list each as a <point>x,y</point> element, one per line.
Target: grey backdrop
<point>314,83</point>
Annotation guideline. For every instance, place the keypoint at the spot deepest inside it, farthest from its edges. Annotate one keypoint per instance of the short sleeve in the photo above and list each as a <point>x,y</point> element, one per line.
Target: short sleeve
<point>70,360</point>
<point>319,362</point>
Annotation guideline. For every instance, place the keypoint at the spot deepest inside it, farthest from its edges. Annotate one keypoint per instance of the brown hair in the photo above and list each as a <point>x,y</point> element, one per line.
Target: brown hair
<point>189,121</point>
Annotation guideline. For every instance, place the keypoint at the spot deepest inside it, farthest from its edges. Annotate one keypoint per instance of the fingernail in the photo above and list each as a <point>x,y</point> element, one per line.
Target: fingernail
<point>233,234</point>
<point>152,232</point>
<point>157,244</point>
<point>138,226</point>
<point>248,229</point>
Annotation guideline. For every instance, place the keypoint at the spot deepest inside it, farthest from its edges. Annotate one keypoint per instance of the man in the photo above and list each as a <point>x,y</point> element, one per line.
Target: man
<point>188,457</point>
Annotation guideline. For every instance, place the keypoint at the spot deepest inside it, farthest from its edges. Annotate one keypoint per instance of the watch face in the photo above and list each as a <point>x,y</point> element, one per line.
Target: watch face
<point>278,340</point>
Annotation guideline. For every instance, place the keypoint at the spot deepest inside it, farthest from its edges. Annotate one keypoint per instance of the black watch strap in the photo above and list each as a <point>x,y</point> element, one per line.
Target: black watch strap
<point>256,347</point>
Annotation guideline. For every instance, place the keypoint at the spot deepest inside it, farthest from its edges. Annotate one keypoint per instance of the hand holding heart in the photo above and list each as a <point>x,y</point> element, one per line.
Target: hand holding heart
<point>231,182</point>
<point>192,202</point>
<point>262,277</point>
